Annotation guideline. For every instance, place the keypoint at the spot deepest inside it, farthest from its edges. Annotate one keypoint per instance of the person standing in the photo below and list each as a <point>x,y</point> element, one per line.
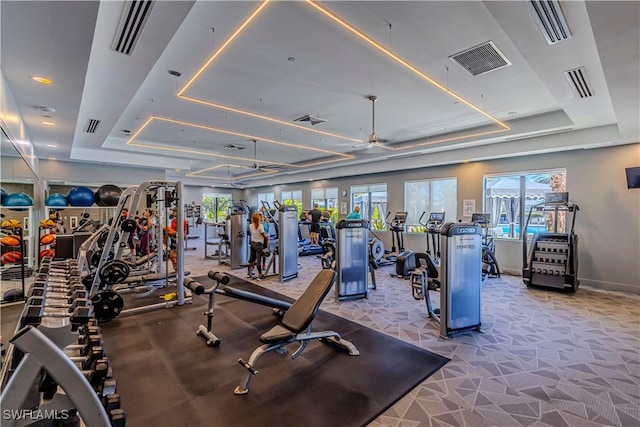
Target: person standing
<point>355,214</point>
<point>258,241</point>
<point>144,225</point>
<point>314,216</point>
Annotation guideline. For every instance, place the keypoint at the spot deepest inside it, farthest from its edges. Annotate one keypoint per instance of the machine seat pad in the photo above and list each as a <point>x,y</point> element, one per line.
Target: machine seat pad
<point>275,335</point>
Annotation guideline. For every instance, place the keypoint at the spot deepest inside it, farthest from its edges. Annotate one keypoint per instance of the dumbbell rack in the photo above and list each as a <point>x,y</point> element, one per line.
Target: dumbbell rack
<point>56,362</point>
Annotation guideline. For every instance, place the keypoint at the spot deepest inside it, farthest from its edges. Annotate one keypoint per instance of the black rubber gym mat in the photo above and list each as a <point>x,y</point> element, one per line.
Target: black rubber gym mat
<point>167,376</point>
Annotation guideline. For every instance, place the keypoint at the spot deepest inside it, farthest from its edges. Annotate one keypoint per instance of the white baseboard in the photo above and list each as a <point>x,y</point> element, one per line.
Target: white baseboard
<point>598,284</point>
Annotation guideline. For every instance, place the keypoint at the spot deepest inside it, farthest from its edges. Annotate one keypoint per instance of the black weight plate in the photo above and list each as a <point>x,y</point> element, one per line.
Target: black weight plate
<point>87,280</point>
<point>113,272</point>
<point>95,258</point>
<point>102,240</point>
<point>107,305</point>
<point>128,225</point>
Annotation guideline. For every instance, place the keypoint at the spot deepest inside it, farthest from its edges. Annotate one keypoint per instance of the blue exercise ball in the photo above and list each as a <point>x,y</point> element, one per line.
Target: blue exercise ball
<point>80,196</point>
<point>17,199</point>
<point>4,194</point>
<point>107,195</point>
<point>56,199</point>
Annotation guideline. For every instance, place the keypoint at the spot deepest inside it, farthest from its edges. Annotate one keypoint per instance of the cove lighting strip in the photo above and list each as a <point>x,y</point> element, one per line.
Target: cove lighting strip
<point>331,15</point>
<point>263,171</point>
<point>181,94</point>
<point>133,143</point>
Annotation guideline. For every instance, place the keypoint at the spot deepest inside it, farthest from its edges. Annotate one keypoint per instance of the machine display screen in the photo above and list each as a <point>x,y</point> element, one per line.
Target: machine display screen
<point>439,216</point>
<point>481,218</point>
<point>633,177</point>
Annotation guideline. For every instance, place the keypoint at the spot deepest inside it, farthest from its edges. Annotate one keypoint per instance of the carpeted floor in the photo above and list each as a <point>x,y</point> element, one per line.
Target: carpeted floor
<point>167,375</point>
<point>543,359</point>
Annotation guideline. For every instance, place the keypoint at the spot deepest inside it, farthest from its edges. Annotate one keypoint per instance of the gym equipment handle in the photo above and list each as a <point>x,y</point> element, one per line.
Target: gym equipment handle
<point>196,287</point>
<point>248,367</point>
<point>219,277</point>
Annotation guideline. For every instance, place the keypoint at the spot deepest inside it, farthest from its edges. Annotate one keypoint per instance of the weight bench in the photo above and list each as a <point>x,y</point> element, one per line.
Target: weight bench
<point>296,327</point>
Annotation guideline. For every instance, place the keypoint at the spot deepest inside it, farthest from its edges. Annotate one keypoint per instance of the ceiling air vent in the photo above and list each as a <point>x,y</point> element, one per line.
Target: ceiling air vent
<point>92,125</point>
<point>579,82</point>
<point>234,147</point>
<point>481,59</point>
<point>314,120</point>
<point>550,19</point>
<point>134,16</point>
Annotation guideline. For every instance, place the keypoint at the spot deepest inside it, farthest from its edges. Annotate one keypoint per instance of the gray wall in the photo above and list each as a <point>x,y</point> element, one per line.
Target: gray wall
<point>608,223</point>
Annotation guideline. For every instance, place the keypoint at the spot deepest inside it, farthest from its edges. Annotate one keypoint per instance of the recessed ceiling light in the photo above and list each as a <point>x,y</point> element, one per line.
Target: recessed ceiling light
<point>42,80</point>
<point>126,131</point>
<point>175,73</point>
<point>52,158</point>
<point>52,145</point>
<point>48,123</point>
<point>177,169</point>
<point>291,59</point>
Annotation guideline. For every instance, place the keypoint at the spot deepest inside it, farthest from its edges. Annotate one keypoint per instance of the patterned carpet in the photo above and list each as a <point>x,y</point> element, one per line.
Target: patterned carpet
<point>544,358</point>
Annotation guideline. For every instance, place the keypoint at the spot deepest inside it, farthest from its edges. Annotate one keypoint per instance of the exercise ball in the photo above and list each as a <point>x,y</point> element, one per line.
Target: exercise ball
<point>17,199</point>
<point>80,196</point>
<point>4,194</point>
<point>56,199</point>
<point>107,195</point>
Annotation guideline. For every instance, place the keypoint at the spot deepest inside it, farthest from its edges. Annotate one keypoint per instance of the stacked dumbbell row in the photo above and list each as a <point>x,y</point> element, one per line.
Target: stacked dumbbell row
<point>57,299</point>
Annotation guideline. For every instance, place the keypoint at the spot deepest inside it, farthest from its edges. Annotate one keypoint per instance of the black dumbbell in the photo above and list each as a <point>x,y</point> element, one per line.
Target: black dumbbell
<point>111,401</point>
<point>117,418</point>
<point>33,315</point>
<point>67,296</point>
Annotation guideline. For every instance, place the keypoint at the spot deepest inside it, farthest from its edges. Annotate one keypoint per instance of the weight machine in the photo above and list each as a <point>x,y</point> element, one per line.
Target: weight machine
<point>233,248</point>
<point>111,270</point>
<point>286,238</point>
<point>352,260</point>
<point>458,278</point>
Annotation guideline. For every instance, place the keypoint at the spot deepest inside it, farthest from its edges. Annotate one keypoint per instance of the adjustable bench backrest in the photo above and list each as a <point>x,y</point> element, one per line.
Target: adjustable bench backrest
<point>301,314</point>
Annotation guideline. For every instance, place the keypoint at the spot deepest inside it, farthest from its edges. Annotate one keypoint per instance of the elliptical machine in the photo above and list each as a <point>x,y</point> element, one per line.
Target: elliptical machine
<point>432,231</point>
<point>396,226</point>
<point>490,266</point>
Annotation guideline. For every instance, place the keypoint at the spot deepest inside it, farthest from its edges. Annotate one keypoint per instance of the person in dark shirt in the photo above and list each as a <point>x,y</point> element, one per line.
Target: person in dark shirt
<point>314,216</point>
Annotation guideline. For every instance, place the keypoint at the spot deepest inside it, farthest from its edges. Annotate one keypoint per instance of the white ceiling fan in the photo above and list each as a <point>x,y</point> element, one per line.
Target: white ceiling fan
<point>373,140</point>
<point>256,165</point>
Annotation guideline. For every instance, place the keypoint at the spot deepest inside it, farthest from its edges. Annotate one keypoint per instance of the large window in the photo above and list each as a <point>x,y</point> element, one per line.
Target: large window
<point>293,198</point>
<point>508,199</point>
<point>266,197</point>
<point>436,195</point>
<point>215,207</point>
<point>327,200</point>
<point>372,200</point>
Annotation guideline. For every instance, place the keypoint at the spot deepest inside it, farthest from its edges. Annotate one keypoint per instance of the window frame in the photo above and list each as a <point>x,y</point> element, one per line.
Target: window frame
<point>375,224</point>
<point>520,208</point>
<point>450,214</point>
